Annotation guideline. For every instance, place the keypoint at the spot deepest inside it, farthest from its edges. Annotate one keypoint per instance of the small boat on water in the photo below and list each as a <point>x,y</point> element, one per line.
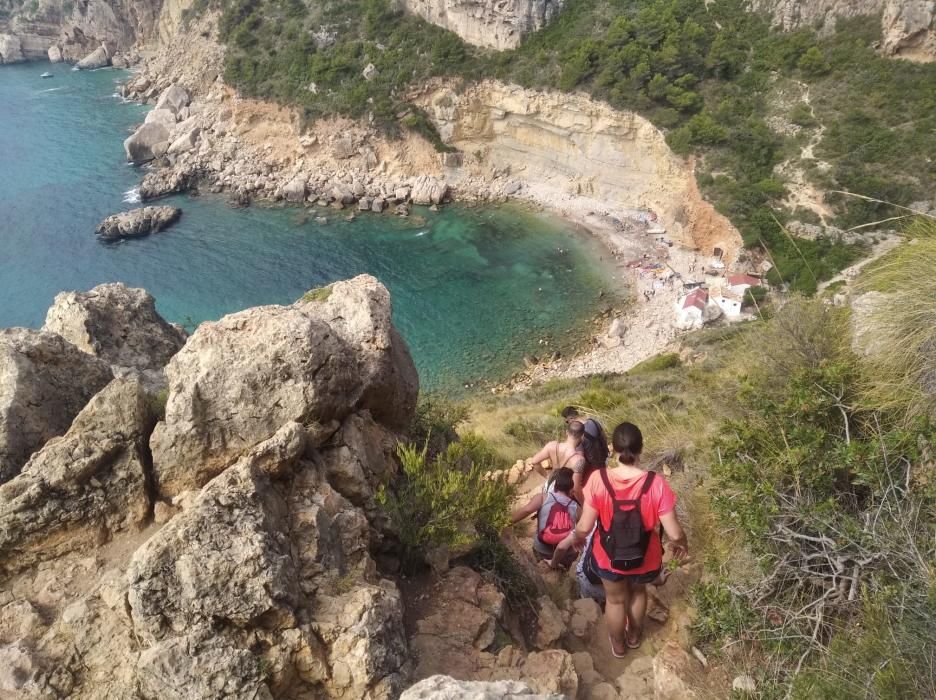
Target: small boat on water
<point>46,75</point>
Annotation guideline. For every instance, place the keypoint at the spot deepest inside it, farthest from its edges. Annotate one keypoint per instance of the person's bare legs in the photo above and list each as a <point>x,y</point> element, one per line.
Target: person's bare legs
<point>637,611</point>
<point>617,602</point>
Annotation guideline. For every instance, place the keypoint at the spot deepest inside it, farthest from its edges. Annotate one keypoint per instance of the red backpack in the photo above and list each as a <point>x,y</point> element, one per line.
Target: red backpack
<point>558,523</point>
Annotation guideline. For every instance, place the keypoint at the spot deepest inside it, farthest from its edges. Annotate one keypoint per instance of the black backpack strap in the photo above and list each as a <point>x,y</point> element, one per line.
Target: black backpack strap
<point>648,482</point>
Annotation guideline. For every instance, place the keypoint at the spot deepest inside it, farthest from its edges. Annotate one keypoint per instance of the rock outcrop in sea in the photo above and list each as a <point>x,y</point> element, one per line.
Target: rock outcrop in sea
<point>138,222</point>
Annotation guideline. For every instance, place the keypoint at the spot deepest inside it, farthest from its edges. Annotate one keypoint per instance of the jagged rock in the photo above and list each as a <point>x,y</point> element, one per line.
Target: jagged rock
<point>173,98</point>
<point>363,631</point>
<point>295,190</point>
<point>81,488</point>
<point>314,361</point>
<point>139,146</point>
<point>164,181</point>
<point>343,147</point>
<point>910,29</point>
<point>549,624</point>
<point>671,667</point>
<point>166,117</point>
<point>359,311</point>
<point>370,72</point>
<point>499,25</point>
<point>11,49</point>
<point>360,458</point>
<point>55,54</point>
<point>378,205</point>
<point>550,671</point>
<point>447,688</point>
<point>138,222</point>
<point>117,323</point>
<point>185,142</point>
<point>342,193</point>
<point>428,190</point>
<point>462,619</point>
<point>44,382</point>
<point>224,558</point>
<point>866,308</point>
<point>200,666</point>
<point>96,59</point>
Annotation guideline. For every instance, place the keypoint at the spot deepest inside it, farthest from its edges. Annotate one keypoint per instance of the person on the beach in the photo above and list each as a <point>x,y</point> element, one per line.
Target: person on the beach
<point>628,504</point>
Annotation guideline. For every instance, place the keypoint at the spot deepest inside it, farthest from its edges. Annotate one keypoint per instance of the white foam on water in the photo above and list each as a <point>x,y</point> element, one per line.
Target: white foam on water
<point>421,233</point>
<point>60,87</point>
<point>132,196</point>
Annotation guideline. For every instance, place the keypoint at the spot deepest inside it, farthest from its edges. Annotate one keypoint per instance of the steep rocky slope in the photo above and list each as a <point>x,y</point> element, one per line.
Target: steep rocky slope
<point>65,30</point>
<point>908,26</point>
<point>491,23</point>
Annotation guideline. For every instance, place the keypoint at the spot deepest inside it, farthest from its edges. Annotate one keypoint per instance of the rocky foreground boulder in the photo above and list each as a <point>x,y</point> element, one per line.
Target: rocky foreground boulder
<point>235,559</point>
<point>120,325</point>
<point>237,380</point>
<point>44,382</point>
<point>138,222</point>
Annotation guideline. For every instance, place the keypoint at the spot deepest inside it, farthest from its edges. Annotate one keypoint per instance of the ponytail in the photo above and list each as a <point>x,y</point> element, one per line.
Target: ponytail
<point>627,442</point>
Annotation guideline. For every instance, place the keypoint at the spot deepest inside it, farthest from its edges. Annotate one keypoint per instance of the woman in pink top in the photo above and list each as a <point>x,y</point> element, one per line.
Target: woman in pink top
<point>625,590</point>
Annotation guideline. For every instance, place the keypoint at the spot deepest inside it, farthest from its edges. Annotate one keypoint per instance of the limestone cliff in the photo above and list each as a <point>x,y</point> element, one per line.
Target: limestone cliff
<point>576,154</point>
<point>496,24</point>
<point>908,26</point>
<point>66,30</point>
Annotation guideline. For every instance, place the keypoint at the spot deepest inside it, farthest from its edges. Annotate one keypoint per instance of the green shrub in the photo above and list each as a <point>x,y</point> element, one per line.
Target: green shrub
<point>539,430</point>
<point>446,501</point>
<point>657,363</point>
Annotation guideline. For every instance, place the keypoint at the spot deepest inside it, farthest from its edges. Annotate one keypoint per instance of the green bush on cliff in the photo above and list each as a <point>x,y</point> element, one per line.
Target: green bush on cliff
<point>448,500</point>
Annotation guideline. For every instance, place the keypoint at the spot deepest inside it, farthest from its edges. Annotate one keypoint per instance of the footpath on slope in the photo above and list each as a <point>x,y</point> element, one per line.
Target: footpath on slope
<point>460,625</point>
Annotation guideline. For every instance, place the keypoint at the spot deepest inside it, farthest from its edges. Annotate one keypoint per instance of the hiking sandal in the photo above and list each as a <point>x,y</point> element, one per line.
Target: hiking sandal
<point>613,651</point>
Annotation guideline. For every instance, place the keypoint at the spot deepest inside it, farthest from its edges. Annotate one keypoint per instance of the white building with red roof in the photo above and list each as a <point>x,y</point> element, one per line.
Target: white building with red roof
<point>695,309</point>
<point>740,282</point>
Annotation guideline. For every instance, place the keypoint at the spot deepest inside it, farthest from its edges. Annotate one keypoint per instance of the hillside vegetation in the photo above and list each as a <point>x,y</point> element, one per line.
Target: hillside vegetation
<point>710,74</point>
<point>809,482</point>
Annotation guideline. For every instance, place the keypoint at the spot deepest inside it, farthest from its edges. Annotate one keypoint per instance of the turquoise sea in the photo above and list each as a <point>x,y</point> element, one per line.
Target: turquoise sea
<point>474,289</point>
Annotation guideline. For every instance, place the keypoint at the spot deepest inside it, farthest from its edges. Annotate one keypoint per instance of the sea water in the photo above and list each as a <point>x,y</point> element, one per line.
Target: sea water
<point>474,289</point>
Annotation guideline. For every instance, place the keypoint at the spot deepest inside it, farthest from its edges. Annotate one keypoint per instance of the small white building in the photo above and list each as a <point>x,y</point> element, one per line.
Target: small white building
<point>695,310</point>
<point>729,302</point>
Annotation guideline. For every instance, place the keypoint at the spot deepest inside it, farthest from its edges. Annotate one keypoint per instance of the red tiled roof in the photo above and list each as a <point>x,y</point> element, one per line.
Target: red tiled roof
<point>737,279</point>
<point>698,299</point>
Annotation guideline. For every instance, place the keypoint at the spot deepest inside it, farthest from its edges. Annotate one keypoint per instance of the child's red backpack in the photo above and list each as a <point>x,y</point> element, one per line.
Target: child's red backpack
<point>558,522</point>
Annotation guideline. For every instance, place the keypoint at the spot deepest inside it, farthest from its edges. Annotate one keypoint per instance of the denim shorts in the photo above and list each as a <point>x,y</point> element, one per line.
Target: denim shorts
<point>648,577</point>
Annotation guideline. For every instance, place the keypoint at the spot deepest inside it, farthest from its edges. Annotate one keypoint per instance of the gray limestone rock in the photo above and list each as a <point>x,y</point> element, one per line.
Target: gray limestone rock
<point>185,142</point>
<point>44,382</point>
<point>166,117</point>
<point>139,146</point>
<point>117,323</point>
<point>81,488</point>
<point>447,688</point>
<point>138,222</point>
<point>173,98</point>
<point>96,59</point>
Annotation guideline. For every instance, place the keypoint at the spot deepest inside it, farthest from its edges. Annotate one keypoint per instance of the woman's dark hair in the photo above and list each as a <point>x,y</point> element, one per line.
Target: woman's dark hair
<point>627,442</point>
<point>569,412</point>
<point>576,429</point>
<point>562,480</point>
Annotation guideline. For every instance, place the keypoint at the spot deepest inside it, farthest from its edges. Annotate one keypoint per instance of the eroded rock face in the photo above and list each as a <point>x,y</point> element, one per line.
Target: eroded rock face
<point>82,488</point>
<point>496,25</point>
<point>11,49</point>
<point>239,379</point>
<point>226,558</point>
<point>571,149</point>
<point>44,382</point>
<point>118,324</point>
<point>908,26</point>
